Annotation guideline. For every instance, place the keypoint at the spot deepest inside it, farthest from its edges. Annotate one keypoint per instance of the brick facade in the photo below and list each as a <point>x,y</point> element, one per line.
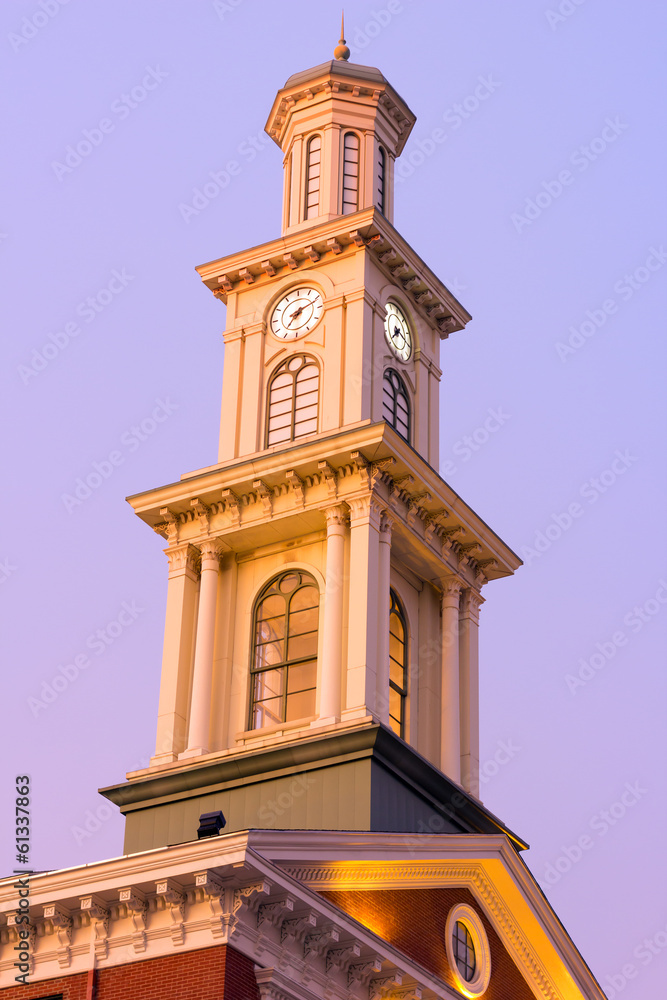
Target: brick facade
<point>413,920</point>
<point>207,974</point>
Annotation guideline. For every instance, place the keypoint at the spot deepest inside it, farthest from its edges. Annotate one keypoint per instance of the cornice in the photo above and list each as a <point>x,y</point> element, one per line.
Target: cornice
<point>365,231</point>
<point>303,480</point>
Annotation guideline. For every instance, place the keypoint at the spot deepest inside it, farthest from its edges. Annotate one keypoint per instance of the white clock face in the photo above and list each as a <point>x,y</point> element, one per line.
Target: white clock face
<point>397,332</point>
<point>297,313</point>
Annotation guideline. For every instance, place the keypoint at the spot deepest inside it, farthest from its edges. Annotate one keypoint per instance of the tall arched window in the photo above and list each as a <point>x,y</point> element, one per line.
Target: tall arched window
<point>313,171</point>
<point>350,173</point>
<point>284,666</point>
<point>382,173</point>
<point>395,403</point>
<point>398,666</point>
<point>293,400</point>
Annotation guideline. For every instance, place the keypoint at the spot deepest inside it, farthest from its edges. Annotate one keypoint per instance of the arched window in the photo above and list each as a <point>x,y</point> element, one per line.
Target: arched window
<point>350,173</point>
<point>382,173</point>
<point>293,400</point>
<point>284,666</point>
<point>395,403</point>
<point>313,171</point>
<point>398,666</point>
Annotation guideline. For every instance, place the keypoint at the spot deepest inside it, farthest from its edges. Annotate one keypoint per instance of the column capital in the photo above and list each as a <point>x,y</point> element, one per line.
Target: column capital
<point>451,592</point>
<point>183,559</point>
<point>212,551</point>
<point>471,602</point>
<point>387,522</point>
<point>367,509</point>
<point>336,515</point>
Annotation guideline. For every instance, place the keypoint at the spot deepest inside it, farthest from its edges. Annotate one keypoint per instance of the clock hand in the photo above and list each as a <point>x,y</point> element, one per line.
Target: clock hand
<point>297,312</point>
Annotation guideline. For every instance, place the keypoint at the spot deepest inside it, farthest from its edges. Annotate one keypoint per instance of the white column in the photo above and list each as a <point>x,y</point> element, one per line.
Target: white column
<point>450,739</point>
<point>469,689</point>
<point>200,704</point>
<point>383,586</point>
<point>361,688</point>
<point>177,655</point>
<point>332,627</point>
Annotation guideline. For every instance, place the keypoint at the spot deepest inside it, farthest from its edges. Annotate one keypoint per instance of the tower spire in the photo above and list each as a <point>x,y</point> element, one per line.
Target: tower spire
<point>341,51</point>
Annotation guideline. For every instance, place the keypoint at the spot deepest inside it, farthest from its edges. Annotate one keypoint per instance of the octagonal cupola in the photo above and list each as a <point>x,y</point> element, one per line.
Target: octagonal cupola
<point>341,127</point>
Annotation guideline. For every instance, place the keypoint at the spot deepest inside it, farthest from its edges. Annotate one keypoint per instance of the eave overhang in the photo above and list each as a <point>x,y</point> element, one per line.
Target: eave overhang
<point>367,231</point>
<point>291,487</point>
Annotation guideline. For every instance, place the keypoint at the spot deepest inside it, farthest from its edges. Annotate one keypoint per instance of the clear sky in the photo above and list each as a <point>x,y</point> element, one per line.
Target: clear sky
<point>533,185</point>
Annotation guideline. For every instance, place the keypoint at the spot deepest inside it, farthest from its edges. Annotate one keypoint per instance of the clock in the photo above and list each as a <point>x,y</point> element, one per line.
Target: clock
<point>397,332</point>
<point>297,313</point>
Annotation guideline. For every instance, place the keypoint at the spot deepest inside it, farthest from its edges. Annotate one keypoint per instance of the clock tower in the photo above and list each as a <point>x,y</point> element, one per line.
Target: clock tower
<point>320,671</point>
<point>320,666</point>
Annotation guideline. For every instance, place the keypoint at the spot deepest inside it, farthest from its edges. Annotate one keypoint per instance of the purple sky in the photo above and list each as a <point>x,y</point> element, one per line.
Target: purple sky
<point>563,110</point>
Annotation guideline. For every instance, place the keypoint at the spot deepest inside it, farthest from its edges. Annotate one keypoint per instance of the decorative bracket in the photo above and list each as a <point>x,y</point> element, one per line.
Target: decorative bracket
<point>99,915</point>
<point>334,246</point>
<point>330,476</point>
<point>203,512</point>
<point>318,943</point>
<point>61,921</point>
<point>380,987</point>
<point>232,506</point>
<point>274,913</point>
<point>298,486</point>
<point>170,894</point>
<point>137,909</point>
<point>361,972</point>
<point>296,928</point>
<point>312,253</point>
<point>340,958</point>
<point>265,494</point>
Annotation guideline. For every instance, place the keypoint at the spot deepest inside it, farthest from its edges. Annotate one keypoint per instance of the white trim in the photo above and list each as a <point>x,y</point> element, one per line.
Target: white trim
<point>464,914</point>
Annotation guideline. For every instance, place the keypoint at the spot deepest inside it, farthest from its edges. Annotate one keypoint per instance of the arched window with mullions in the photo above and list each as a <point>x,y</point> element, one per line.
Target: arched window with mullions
<point>284,665</point>
<point>395,403</point>
<point>293,400</point>
<point>350,173</point>
<point>313,173</point>
<point>398,665</point>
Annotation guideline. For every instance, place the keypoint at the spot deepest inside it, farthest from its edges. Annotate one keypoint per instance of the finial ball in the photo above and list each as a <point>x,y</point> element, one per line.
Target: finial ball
<point>341,51</point>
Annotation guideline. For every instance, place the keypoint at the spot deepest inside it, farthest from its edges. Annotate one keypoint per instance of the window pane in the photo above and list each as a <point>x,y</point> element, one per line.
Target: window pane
<point>269,653</point>
<point>301,646</point>
<point>303,621</point>
<point>270,629</point>
<point>271,607</point>
<point>302,677</point>
<point>267,713</point>
<point>269,684</point>
<point>300,706</point>
<point>396,648</point>
<point>397,674</point>
<point>305,597</point>
<point>395,702</point>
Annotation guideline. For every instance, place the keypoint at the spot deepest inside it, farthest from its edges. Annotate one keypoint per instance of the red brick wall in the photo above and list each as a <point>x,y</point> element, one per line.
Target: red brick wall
<point>413,920</point>
<point>208,974</point>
